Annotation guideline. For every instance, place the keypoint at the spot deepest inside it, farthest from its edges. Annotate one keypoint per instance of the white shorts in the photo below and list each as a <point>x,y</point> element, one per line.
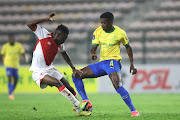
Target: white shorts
<point>39,75</point>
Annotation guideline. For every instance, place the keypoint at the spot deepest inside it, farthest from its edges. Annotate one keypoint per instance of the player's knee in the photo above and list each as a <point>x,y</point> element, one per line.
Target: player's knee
<point>76,75</point>
<point>73,75</point>
<point>116,83</point>
<point>116,86</point>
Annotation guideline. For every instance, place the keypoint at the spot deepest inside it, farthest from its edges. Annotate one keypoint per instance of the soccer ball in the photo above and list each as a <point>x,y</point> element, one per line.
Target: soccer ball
<point>89,106</point>
<point>89,109</point>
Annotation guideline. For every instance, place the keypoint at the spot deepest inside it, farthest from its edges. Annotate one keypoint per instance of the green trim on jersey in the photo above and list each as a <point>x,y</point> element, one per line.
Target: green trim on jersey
<point>127,44</point>
<point>95,44</point>
<point>111,31</point>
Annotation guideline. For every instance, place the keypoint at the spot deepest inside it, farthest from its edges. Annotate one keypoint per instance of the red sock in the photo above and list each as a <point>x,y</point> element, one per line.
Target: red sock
<point>61,88</point>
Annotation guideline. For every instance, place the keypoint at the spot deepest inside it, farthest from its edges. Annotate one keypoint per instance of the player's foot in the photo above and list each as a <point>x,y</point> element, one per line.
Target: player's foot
<point>74,109</point>
<point>11,97</point>
<point>83,105</point>
<point>89,106</point>
<point>135,113</point>
<point>84,113</point>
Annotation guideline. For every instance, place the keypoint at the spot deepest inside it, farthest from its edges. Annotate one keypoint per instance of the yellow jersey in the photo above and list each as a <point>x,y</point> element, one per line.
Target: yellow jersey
<point>109,42</point>
<point>11,54</point>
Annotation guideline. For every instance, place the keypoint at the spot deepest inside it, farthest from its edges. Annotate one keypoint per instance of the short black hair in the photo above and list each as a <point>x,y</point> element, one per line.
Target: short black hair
<point>63,29</point>
<point>107,15</point>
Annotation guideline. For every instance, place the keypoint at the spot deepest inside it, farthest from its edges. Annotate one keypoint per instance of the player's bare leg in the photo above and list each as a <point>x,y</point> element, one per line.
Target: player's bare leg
<point>85,72</point>
<point>116,80</point>
<point>68,86</point>
<point>65,92</point>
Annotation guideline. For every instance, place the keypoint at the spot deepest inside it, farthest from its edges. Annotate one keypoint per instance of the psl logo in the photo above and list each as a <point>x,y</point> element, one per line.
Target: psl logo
<point>154,79</point>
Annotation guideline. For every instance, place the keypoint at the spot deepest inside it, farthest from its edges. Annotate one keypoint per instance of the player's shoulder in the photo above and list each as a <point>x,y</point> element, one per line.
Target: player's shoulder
<point>6,44</point>
<point>18,43</point>
<point>119,29</point>
<point>99,29</point>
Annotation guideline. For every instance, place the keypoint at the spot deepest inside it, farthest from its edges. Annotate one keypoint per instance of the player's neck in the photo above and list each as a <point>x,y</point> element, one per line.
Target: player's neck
<point>110,30</point>
<point>53,38</point>
<point>11,44</point>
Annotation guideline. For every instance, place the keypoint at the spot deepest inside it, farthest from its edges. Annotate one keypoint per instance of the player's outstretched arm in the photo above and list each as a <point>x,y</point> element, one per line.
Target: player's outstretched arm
<point>93,52</point>
<point>32,24</point>
<point>133,70</point>
<point>68,60</point>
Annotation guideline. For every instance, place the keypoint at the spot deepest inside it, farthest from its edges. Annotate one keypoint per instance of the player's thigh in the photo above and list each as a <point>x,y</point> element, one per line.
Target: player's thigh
<point>9,72</point>
<point>59,76</point>
<point>87,72</point>
<point>56,74</point>
<point>111,66</point>
<point>93,70</point>
<point>15,74</point>
<point>49,80</point>
<point>45,77</point>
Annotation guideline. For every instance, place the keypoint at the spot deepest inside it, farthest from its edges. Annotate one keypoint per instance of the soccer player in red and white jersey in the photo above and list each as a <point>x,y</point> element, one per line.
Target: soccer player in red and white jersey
<point>44,73</point>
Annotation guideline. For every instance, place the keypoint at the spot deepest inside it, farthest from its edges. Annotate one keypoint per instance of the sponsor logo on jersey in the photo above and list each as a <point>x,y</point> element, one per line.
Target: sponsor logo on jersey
<point>93,37</point>
<point>49,43</point>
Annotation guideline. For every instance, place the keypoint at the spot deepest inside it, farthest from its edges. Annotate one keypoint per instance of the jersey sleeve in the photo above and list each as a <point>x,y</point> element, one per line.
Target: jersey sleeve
<point>95,40</point>
<point>21,49</point>
<point>62,48</point>
<point>3,51</point>
<point>40,32</point>
<point>124,40</point>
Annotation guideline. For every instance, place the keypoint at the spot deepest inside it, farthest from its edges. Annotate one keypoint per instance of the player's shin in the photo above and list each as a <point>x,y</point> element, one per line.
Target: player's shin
<point>13,88</point>
<point>75,95</point>
<point>80,88</point>
<point>65,92</point>
<point>125,96</point>
<point>10,88</point>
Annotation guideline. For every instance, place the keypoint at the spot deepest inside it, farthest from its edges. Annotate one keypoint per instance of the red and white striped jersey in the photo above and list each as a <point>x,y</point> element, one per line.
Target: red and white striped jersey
<point>45,50</point>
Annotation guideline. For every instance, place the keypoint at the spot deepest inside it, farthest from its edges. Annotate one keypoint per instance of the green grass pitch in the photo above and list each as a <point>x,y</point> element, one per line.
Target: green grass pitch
<point>106,107</point>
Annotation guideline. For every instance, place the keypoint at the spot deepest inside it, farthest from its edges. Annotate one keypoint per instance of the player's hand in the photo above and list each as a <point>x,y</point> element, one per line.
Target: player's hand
<point>77,73</point>
<point>93,56</point>
<point>51,15</point>
<point>133,70</point>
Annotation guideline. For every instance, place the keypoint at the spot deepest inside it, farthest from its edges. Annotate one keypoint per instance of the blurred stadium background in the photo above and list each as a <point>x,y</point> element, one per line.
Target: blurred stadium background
<point>152,26</point>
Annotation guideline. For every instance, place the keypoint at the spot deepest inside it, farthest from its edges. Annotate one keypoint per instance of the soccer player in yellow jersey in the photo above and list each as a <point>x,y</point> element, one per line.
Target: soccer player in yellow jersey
<point>10,53</point>
<point>108,37</point>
